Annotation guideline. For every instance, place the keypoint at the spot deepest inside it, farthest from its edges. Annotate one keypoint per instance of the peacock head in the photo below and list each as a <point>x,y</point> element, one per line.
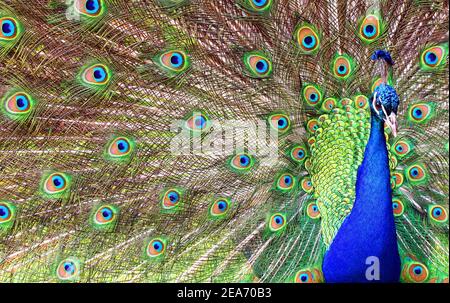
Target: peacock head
<point>385,99</point>
<point>384,106</point>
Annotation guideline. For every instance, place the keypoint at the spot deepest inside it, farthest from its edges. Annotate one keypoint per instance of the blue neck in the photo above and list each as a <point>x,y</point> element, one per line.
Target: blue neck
<point>369,230</point>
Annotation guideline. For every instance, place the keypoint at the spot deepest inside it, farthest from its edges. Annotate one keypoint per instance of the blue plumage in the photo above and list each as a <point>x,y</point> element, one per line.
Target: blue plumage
<point>382,55</point>
<point>369,230</point>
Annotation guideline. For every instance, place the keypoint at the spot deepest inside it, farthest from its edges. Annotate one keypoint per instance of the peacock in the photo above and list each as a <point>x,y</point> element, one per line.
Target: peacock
<point>224,141</point>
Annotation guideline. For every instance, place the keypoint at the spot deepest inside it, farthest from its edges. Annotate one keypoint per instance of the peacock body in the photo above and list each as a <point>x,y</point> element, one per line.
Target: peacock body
<point>116,164</point>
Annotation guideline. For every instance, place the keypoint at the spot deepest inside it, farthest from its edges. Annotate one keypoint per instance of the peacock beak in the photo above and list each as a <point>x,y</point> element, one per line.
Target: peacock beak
<point>391,121</point>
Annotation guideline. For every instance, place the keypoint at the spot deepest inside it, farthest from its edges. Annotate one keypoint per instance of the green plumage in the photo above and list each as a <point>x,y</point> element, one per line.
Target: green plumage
<point>114,123</point>
<point>335,157</point>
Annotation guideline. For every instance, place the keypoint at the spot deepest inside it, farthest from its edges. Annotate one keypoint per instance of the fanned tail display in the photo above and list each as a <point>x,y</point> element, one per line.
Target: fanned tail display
<point>117,163</point>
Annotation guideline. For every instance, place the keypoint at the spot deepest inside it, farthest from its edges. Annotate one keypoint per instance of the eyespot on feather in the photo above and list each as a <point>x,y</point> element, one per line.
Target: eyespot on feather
<point>402,148</point>
<point>397,179</point>
<point>220,207</point>
<point>280,122</point>
<point>105,216</point>
<point>10,29</point>
<point>313,211</point>
<point>90,8</point>
<point>307,276</point>
<point>307,38</point>
<point>17,104</point>
<point>277,222</point>
<point>416,174</point>
<point>56,184</point>
<point>328,104</point>
<point>398,207</point>
<point>285,182</point>
<point>312,126</point>
<point>434,58</point>
<point>155,247</point>
<point>258,6</point>
<point>298,153</point>
<point>312,95</point>
<point>241,162</point>
<point>343,67</point>
<point>173,62</point>
<point>197,122</point>
<point>96,75</point>
<point>7,215</point>
<point>361,102</point>
<point>307,185</point>
<point>437,214</point>
<point>68,269</point>
<point>421,113</point>
<point>415,272</point>
<point>370,28</point>
<point>257,64</point>
<point>171,198</point>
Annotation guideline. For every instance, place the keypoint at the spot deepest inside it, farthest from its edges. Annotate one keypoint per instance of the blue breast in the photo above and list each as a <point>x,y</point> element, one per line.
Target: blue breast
<point>368,233</point>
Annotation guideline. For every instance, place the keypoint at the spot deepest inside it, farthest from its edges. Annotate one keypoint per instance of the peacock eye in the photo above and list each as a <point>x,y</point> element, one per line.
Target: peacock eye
<point>343,66</point>
<point>259,3</point>
<point>89,8</point>
<point>277,222</point>
<point>279,122</point>
<point>241,162</point>
<point>56,184</point>
<point>171,198</point>
<point>312,94</point>
<point>378,106</point>
<point>307,38</point>
<point>18,105</point>
<point>9,28</point>
<point>220,207</point>
<point>257,64</point>
<point>96,75</point>
<point>174,62</point>
<point>434,57</point>
<point>92,6</point>
<point>68,269</point>
<point>370,28</point>
<point>437,214</point>
<point>155,247</point>
<point>285,182</point>
<point>197,122</point>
